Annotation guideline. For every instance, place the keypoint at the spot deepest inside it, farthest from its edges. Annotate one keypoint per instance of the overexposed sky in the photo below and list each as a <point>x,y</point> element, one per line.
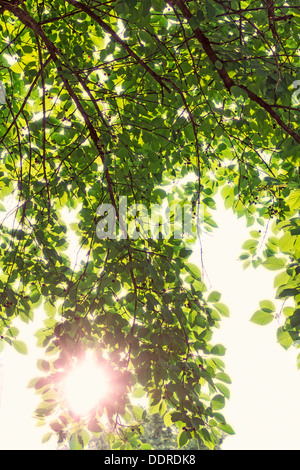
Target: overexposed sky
<point>264,408</point>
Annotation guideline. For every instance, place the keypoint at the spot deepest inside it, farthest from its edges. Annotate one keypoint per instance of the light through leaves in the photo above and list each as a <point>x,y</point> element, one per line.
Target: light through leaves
<point>85,386</point>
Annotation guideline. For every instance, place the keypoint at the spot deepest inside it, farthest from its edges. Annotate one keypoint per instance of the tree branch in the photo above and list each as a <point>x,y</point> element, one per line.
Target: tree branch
<point>227,80</point>
<point>26,19</point>
<point>117,38</point>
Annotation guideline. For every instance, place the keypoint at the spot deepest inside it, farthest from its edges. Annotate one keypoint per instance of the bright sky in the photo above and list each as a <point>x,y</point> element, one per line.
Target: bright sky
<point>264,408</point>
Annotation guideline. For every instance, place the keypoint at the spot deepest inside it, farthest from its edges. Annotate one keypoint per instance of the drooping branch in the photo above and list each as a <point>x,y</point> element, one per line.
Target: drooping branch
<point>271,17</point>
<point>227,80</point>
<point>27,20</point>
<point>117,38</point>
<point>25,100</point>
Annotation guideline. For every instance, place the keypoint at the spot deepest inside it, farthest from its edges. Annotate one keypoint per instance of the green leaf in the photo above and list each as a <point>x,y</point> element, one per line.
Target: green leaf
<point>267,306</point>
<point>194,22</point>
<point>274,264</point>
<point>20,347</point>
<point>238,92</point>
<point>224,390</point>
<point>298,362</point>
<point>168,419</point>
<point>78,51</point>
<point>284,293</point>
<point>284,338</point>
<point>74,443</point>
<point>227,429</point>
<point>43,365</point>
<point>117,445</point>
<point>250,245</point>
<point>223,377</point>
<point>80,440</point>
<point>176,417</point>
<point>13,332</point>
<point>139,393</point>
<point>222,309</point>
<point>46,438</point>
<point>218,350</point>
<point>185,253</point>
<point>210,10</point>
<point>193,270</point>
<point>182,439</point>
<point>295,319</point>
<point>218,402</point>
<point>206,438</point>
<point>146,447</point>
<point>294,200</point>
<point>17,67</point>
<point>262,318</point>
<point>214,297</point>
<point>95,427</point>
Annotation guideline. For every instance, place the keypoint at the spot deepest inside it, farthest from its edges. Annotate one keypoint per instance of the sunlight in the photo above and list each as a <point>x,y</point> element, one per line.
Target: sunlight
<point>85,386</point>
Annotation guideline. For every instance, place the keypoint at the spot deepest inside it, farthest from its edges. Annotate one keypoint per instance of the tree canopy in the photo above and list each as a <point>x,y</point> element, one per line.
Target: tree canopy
<point>126,98</point>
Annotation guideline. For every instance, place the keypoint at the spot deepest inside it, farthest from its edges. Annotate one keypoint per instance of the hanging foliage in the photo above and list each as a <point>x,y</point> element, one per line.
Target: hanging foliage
<point>150,101</point>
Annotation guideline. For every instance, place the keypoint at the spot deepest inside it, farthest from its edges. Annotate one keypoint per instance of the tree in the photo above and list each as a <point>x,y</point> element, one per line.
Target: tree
<point>156,435</point>
<point>162,437</point>
<point>124,98</point>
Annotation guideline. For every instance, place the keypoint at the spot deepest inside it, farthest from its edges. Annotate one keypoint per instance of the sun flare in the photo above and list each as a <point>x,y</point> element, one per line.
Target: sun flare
<point>85,386</point>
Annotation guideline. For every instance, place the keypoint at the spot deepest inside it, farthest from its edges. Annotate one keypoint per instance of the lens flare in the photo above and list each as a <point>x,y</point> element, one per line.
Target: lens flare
<point>85,386</point>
